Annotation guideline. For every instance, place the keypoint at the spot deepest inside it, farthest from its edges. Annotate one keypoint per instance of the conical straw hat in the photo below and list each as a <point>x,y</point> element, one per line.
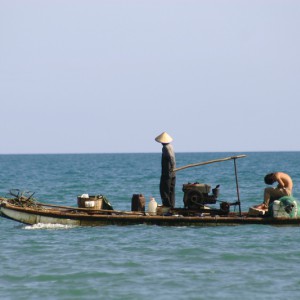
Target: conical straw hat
<point>164,138</point>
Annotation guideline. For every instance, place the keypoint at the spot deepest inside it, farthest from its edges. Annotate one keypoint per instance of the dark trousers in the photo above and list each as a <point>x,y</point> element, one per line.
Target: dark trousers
<point>167,190</point>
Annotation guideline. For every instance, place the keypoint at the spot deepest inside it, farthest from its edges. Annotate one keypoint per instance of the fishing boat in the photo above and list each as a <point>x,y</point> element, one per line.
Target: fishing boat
<point>97,210</point>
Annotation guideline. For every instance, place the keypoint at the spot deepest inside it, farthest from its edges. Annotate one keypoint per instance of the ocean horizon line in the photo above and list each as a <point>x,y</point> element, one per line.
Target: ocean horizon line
<point>157,152</point>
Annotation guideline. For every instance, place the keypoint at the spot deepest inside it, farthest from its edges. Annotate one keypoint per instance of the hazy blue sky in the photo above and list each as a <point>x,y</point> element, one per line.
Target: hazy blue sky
<point>109,76</point>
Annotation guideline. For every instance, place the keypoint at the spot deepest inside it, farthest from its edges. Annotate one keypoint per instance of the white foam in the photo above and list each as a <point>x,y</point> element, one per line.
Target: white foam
<point>48,226</point>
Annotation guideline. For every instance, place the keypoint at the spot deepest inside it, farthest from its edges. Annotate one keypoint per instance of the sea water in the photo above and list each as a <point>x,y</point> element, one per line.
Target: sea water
<point>146,262</point>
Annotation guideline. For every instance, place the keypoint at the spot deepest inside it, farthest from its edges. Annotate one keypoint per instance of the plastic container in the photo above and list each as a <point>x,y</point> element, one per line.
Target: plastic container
<point>152,207</point>
<point>138,202</point>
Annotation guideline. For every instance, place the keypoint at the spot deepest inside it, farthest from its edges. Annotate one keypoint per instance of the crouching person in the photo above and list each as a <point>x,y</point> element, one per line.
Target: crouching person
<point>284,188</point>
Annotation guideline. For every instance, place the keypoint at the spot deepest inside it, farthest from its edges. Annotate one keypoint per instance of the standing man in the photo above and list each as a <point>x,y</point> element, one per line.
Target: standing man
<point>168,176</point>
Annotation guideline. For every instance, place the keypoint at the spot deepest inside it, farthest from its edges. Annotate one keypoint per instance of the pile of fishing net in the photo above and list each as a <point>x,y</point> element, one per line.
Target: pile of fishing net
<point>285,207</point>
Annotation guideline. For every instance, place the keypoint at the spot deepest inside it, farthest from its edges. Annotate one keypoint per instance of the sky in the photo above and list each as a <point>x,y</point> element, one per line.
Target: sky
<point>109,76</point>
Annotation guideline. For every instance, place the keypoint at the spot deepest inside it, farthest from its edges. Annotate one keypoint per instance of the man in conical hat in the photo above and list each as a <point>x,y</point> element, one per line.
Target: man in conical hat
<point>168,176</point>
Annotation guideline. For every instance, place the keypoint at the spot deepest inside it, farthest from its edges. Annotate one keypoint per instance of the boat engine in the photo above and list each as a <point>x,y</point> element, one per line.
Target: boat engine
<point>196,195</point>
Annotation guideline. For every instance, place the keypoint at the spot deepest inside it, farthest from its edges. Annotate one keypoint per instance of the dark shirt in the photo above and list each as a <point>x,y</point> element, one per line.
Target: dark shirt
<point>168,161</point>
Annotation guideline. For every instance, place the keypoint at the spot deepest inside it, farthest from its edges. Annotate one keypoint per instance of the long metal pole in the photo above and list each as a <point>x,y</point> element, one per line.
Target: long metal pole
<point>208,162</point>
<point>237,186</point>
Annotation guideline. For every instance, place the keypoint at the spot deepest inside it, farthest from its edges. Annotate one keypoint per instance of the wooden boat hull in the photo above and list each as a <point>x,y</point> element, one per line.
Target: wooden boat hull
<point>75,217</point>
